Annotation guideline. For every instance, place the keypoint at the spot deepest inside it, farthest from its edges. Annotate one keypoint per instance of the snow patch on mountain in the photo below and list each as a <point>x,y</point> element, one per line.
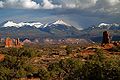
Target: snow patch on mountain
<point>61,22</point>
<point>46,25</point>
<point>10,24</point>
<point>21,24</point>
<point>103,24</point>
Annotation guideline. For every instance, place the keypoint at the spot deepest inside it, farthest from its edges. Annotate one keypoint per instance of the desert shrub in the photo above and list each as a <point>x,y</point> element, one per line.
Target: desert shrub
<point>21,73</point>
<point>14,66</point>
<point>115,49</point>
<point>97,67</point>
<point>19,52</point>
<point>69,49</point>
<point>5,73</point>
<point>111,69</point>
<point>73,69</point>
<point>31,70</point>
<point>99,56</point>
<point>13,51</point>
<point>43,74</point>
<point>56,71</point>
<point>29,53</point>
<point>92,70</point>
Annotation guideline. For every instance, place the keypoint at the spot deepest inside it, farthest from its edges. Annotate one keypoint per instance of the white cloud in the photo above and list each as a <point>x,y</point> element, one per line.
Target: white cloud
<point>105,3</point>
<point>71,5</point>
<point>1,4</point>
<point>82,4</point>
<point>48,5</point>
<point>89,3</point>
<point>26,4</point>
<point>109,6</point>
<point>114,2</point>
<point>30,4</point>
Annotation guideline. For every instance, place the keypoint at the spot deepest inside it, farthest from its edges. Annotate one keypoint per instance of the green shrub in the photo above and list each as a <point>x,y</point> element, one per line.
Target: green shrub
<point>43,74</point>
<point>69,49</point>
<point>6,73</point>
<point>97,67</point>
<point>115,49</point>
<point>92,70</point>
<point>98,56</point>
<point>21,73</point>
<point>19,52</point>
<point>111,70</point>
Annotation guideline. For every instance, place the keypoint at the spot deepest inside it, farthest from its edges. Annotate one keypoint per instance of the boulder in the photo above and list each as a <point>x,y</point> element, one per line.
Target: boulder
<point>2,57</point>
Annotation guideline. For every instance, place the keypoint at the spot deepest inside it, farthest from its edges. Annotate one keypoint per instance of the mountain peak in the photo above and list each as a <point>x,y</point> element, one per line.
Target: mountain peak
<point>103,24</point>
<point>61,22</point>
<point>10,24</point>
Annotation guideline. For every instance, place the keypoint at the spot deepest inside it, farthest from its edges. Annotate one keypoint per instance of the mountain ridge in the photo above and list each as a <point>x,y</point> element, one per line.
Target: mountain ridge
<point>57,29</point>
<point>37,24</point>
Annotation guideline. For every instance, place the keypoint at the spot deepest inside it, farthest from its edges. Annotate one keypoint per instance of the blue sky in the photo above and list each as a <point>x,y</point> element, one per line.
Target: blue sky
<point>79,13</point>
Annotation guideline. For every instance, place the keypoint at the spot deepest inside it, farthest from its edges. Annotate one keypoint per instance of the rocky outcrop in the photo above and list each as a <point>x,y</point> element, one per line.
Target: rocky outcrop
<point>18,43</point>
<point>106,38</point>
<point>8,42</point>
<point>13,43</point>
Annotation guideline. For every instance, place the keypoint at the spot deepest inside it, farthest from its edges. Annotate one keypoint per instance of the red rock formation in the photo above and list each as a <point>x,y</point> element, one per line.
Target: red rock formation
<point>87,52</point>
<point>108,46</point>
<point>8,42</point>
<point>106,39</point>
<point>18,43</point>
<point>13,43</point>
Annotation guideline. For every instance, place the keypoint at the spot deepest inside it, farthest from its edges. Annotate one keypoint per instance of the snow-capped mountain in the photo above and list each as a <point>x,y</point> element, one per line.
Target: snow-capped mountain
<point>55,24</point>
<point>109,25</point>
<point>21,24</point>
<point>103,24</point>
<point>61,22</point>
<point>55,29</point>
<point>34,24</point>
<point>113,26</point>
<point>60,28</point>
